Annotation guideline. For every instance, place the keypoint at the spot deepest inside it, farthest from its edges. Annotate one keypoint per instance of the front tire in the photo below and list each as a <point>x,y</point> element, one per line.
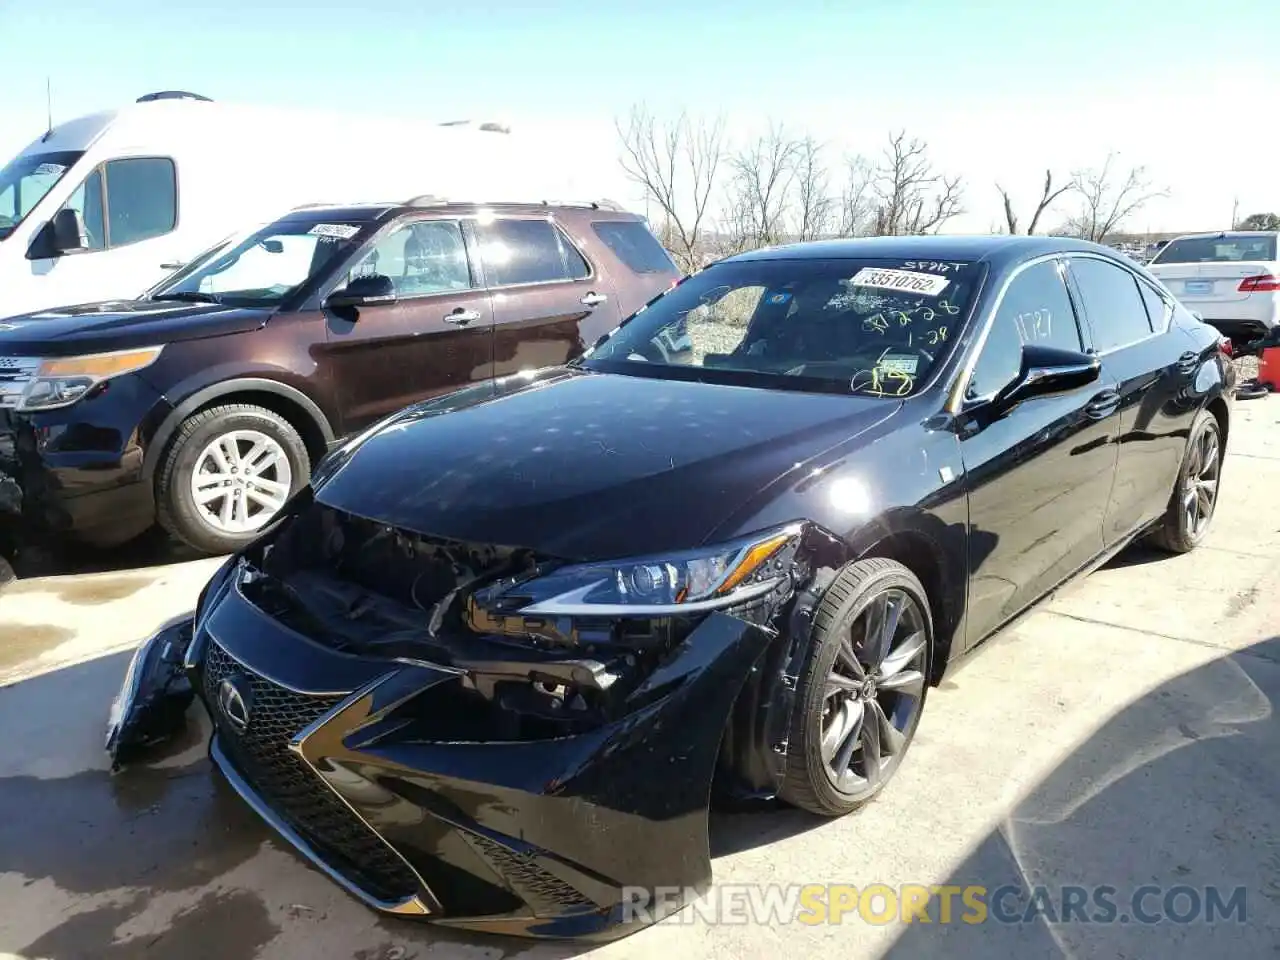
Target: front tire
<point>862,688</point>
<point>1195,495</point>
<point>227,473</point>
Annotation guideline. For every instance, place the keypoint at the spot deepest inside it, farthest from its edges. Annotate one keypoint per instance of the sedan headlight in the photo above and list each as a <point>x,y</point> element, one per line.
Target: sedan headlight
<point>61,381</point>
<point>690,581</point>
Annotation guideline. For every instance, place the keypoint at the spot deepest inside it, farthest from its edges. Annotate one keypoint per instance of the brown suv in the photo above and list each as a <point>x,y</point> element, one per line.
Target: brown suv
<point>204,403</point>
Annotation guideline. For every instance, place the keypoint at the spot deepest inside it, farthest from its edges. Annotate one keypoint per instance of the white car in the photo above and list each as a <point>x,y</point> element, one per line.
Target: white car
<point>1232,279</point>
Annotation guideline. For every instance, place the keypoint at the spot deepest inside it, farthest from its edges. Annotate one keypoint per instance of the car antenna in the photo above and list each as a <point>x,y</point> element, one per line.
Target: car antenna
<point>48,103</point>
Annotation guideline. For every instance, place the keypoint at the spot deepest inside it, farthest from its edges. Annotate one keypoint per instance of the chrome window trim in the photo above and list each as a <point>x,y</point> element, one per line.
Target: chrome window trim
<point>955,396</point>
<point>1152,334</point>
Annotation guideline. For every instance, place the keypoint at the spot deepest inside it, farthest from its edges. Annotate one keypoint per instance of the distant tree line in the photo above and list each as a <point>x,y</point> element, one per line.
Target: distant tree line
<point>715,197</point>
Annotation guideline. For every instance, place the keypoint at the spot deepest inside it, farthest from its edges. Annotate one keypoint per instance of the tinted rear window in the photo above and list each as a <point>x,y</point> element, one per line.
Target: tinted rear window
<point>1226,249</point>
<point>634,245</point>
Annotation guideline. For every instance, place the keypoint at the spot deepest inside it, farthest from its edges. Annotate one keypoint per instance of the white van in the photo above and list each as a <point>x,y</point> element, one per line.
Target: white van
<point>104,206</point>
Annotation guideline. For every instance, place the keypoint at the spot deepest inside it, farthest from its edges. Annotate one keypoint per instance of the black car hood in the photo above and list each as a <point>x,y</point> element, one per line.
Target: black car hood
<point>120,325</point>
<point>588,466</point>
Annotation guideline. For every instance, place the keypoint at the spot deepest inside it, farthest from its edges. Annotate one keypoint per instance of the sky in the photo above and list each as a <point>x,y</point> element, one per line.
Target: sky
<point>1000,91</point>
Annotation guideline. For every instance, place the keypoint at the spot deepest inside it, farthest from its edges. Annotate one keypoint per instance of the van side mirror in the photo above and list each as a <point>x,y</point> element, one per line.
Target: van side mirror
<point>69,233</point>
<point>362,291</point>
<point>1047,372</point>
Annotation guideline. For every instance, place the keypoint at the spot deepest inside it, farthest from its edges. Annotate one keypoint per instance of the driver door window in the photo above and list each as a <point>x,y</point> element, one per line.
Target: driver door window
<point>422,258</point>
<point>1036,308</point>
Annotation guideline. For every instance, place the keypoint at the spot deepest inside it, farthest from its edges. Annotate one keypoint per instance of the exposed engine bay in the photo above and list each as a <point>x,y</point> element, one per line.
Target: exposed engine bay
<point>368,589</point>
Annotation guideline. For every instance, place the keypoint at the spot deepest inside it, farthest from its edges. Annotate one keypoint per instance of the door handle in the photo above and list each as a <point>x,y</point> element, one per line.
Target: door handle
<point>461,317</point>
<point>1103,405</point>
<point>593,299</point>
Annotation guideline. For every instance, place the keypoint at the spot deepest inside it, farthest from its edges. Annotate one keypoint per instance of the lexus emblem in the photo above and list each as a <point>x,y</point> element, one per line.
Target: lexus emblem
<point>233,701</point>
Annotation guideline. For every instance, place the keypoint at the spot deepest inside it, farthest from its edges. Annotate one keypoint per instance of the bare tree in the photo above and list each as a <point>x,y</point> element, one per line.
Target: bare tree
<point>857,208</point>
<point>764,172</point>
<point>815,207</point>
<point>1109,197</point>
<point>676,164</point>
<point>911,196</point>
<point>1047,198</point>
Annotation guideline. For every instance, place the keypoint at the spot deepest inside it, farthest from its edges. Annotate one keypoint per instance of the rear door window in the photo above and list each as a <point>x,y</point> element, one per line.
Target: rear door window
<point>1158,309</point>
<point>634,245</point>
<point>518,251</point>
<point>1116,312</point>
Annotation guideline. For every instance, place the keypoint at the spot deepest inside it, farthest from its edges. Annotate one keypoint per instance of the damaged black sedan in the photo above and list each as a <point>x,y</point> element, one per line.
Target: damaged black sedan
<point>492,666</point>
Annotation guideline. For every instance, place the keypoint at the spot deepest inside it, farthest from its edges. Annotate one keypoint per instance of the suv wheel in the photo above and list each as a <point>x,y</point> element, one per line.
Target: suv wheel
<point>228,472</point>
<point>861,689</point>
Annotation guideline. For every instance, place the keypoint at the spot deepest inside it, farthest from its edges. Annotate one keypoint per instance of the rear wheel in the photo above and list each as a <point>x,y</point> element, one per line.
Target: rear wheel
<point>228,472</point>
<point>862,688</point>
<point>1195,496</point>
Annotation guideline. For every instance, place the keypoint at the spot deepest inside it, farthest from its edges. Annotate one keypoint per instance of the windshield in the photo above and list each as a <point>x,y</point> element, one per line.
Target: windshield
<point>265,267</point>
<point>26,180</point>
<point>873,327</point>
<point>1228,249</point>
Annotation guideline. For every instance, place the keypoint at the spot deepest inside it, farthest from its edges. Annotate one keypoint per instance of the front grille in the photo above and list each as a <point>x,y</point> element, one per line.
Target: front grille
<point>285,781</point>
<point>15,374</point>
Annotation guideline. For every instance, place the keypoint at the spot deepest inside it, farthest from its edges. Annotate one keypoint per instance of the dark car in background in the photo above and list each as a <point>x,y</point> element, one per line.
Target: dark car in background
<point>490,666</point>
<point>205,402</point>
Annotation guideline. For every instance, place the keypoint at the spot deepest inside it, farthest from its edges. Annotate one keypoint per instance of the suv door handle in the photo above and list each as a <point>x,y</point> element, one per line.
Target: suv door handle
<point>593,299</point>
<point>461,317</point>
<point>1103,405</point>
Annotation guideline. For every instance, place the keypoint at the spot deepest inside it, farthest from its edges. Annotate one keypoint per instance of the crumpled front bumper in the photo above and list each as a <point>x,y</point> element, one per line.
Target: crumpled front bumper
<point>543,838</point>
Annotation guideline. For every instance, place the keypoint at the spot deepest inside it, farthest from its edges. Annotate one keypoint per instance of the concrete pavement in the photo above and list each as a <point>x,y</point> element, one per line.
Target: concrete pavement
<point>1122,736</point>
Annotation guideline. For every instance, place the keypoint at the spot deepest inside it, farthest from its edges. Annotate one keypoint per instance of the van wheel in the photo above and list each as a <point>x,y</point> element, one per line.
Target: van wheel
<point>861,689</point>
<point>228,472</point>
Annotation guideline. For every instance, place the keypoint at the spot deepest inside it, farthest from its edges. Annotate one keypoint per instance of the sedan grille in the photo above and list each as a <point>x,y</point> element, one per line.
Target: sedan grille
<point>289,786</point>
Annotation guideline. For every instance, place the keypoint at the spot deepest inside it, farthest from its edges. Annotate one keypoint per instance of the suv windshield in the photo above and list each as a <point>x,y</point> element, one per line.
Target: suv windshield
<point>265,267</point>
<point>874,327</point>
<point>1228,249</point>
<point>26,180</point>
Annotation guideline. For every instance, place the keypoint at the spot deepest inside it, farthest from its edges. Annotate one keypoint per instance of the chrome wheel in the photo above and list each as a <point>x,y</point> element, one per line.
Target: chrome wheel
<point>874,693</point>
<point>1200,492</point>
<point>240,481</point>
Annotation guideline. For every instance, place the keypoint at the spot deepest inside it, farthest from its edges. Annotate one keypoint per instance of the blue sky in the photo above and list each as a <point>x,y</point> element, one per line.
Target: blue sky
<point>1001,90</point>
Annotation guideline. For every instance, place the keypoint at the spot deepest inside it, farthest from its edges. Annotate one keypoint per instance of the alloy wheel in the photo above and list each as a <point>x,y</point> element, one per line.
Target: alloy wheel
<point>240,481</point>
<point>874,693</point>
<point>1200,493</point>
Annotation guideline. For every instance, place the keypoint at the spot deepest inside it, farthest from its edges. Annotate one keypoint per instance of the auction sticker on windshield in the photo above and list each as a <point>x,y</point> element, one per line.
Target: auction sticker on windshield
<point>885,279</point>
<point>342,231</point>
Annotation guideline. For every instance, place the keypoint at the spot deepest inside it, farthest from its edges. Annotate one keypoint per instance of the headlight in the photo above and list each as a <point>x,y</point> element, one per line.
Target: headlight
<point>671,584</point>
<point>61,381</point>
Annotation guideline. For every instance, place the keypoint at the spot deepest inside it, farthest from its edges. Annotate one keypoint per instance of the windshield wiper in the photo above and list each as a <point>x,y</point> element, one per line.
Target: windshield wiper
<point>190,296</point>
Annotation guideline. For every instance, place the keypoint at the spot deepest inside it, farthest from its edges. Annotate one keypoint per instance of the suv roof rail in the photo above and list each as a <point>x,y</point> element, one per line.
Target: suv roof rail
<point>488,126</point>
<point>172,95</point>
<point>433,200</point>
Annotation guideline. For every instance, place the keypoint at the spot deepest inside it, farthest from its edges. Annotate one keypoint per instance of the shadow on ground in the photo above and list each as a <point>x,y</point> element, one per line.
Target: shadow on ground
<point>154,548</point>
<point>1181,789</point>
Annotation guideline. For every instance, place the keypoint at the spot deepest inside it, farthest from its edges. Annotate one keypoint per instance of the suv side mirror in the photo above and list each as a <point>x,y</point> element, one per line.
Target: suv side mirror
<point>1049,371</point>
<point>362,291</point>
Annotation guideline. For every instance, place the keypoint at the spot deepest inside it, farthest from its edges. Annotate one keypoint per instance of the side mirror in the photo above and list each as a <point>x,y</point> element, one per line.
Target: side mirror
<point>1047,372</point>
<point>362,291</point>
<point>69,233</point>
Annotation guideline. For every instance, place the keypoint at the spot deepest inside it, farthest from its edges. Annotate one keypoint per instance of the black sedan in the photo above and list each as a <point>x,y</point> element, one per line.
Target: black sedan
<point>491,666</point>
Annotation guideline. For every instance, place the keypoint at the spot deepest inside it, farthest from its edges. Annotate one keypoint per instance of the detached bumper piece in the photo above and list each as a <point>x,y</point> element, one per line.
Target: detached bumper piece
<point>403,781</point>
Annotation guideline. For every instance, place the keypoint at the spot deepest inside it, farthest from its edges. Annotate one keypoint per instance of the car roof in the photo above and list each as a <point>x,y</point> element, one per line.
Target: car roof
<point>997,250</point>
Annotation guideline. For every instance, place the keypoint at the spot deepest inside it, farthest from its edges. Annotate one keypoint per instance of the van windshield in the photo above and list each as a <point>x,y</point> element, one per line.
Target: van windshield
<point>264,268</point>
<point>25,181</point>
